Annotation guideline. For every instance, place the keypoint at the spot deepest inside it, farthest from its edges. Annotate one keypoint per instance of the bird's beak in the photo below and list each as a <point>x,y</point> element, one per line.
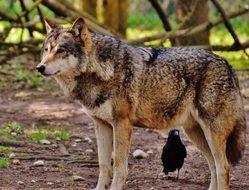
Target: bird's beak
<point>176,133</point>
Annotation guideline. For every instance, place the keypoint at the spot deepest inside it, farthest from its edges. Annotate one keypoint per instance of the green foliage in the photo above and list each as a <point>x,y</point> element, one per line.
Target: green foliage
<point>35,81</point>
<point>63,135</point>
<point>37,136</point>
<point>140,21</point>
<point>13,126</point>
<point>61,167</point>
<point>4,162</point>
<point>22,77</point>
<point>5,134</point>
<point>9,128</point>
<point>5,150</point>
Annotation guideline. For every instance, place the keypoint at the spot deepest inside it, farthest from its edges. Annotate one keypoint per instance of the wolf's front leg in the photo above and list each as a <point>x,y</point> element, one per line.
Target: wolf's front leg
<point>104,135</point>
<point>122,137</point>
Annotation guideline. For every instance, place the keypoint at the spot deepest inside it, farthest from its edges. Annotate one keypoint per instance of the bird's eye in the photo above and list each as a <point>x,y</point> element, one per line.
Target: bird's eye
<point>46,49</point>
<point>60,50</point>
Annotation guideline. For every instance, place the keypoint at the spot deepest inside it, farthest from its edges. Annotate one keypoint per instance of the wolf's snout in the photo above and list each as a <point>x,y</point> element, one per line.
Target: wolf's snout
<point>40,68</point>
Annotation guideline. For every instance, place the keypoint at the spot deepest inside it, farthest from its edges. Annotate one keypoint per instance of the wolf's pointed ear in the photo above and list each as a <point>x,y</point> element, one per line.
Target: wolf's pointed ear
<point>79,27</point>
<point>49,25</point>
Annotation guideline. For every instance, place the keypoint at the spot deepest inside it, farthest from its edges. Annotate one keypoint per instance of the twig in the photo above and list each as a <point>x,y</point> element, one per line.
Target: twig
<point>189,31</point>
<point>6,142</point>
<point>243,46</point>
<point>227,23</point>
<point>163,17</point>
<point>26,16</point>
<point>4,16</point>
<point>62,9</point>
<point>187,18</point>
<point>36,3</point>
<point>41,18</point>
<point>41,157</point>
<point>5,73</point>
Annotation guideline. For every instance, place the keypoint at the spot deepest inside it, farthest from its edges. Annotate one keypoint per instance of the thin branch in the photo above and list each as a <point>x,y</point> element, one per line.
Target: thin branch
<point>188,31</point>
<point>36,3</point>
<point>243,46</point>
<point>6,73</point>
<point>4,16</point>
<point>68,11</point>
<point>227,22</point>
<point>163,17</point>
<point>189,15</point>
<point>6,142</point>
<point>41,18</point>
<point>26,16</point>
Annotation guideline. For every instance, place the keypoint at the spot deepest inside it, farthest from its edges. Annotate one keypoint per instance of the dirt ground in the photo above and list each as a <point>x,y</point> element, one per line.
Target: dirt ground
<point>50,108</point>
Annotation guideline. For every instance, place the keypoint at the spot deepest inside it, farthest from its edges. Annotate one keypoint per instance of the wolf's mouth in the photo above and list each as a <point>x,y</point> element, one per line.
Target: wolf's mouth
<point>47,75</point>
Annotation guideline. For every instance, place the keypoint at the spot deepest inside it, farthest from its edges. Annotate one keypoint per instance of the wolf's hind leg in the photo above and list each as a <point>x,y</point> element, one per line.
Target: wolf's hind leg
<point>104,136</point>
<point>195,133</point>
<point>217,142</point>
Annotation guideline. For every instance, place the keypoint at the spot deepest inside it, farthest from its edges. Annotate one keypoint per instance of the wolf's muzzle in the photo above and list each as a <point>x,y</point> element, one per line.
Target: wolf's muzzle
<point>40,68</point>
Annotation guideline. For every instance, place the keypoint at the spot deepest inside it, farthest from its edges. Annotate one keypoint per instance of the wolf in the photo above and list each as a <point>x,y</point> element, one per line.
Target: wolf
<point>121,86</point>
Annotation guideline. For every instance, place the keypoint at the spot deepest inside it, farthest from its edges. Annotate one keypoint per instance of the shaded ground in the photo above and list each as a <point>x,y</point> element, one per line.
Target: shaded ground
<point>50,109</point>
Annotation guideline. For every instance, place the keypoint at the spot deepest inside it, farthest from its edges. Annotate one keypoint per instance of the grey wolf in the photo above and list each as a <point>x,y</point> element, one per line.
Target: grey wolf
<point>174,153</point>
<point>121,86</point>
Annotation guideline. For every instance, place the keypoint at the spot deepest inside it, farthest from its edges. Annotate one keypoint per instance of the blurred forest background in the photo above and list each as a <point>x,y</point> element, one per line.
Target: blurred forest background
<point>221,26</point>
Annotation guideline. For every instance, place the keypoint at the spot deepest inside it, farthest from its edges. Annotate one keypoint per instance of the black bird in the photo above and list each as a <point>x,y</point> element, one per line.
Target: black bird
<point>173,153</point>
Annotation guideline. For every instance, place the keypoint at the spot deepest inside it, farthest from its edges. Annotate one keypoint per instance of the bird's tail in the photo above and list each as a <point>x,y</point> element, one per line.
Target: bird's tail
<point>236,142</point>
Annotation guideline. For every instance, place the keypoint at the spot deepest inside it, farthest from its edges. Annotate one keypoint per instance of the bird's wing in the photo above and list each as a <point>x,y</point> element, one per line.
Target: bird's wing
<point>185,151</point>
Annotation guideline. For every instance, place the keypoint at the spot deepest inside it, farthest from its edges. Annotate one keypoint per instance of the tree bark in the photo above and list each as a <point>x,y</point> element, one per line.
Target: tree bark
<point>116,15</point>
<point>196,16</point>
<point>90,6</point>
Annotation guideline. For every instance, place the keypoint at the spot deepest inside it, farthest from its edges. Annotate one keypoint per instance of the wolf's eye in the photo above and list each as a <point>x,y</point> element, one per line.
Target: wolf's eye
<point>60,50</point>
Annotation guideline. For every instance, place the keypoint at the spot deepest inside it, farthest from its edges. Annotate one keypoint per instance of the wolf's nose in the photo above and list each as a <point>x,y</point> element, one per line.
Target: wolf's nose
<point>40,68</point>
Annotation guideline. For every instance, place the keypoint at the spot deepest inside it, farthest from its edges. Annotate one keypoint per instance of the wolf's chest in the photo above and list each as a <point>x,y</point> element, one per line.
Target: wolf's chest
<point>103,111</point>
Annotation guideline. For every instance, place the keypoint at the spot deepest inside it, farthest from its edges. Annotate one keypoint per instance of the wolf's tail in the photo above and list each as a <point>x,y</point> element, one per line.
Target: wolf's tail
<point>236,142</point>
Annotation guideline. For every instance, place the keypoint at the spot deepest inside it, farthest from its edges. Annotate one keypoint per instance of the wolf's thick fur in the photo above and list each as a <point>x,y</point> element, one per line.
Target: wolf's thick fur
<point>121,86</point>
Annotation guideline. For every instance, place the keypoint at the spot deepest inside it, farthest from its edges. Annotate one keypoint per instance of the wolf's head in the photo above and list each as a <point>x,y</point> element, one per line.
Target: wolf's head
<point>65,50</point>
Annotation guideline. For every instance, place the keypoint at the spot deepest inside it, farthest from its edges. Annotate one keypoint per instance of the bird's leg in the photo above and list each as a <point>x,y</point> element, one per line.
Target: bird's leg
<point>177,175</point>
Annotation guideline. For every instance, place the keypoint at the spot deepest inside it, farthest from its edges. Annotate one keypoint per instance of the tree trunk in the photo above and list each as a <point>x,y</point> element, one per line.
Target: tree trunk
<point>198,16</point>
<point>90,6</point>
<point>116,15</point>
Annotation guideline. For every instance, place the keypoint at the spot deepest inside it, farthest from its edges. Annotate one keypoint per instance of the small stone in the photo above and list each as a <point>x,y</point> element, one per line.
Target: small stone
<point>12,155</point>
<point>54,145</point>
<point>63,150</point>
<point>138,153</point>
<point>149,152</point>
<point>13,133</point>
<point>161,175</point>
<point>90,126</point>
<point>77,178</point>
<point>38,163</point>
<point>77,140</point>
<point>74,144</point>
<point>89,140</point>
<point>50,183</point>
<point>89,150</point>
<point>20,183</point>
<point>16,161</point>
<point>33,181</point>
<point>45,141</point>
